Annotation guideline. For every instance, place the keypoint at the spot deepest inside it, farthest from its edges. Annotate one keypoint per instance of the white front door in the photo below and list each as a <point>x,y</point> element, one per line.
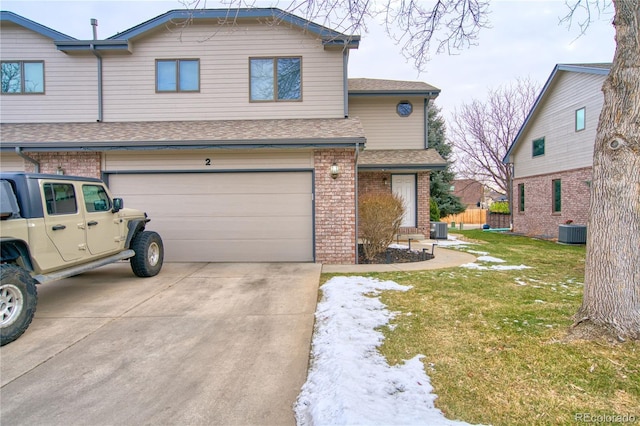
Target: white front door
<point>405,187</point>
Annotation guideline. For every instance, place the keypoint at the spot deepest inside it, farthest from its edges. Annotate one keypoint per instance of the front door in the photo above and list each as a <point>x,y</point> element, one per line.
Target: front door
<point>405,187</point>
<point>102,226</point>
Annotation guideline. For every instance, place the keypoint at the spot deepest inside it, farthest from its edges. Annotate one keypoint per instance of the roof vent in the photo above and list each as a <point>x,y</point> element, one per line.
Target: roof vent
<point>94,24</point>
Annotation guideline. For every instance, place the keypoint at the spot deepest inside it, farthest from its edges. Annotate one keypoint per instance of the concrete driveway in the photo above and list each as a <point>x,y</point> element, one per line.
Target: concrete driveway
<point>198,344</point>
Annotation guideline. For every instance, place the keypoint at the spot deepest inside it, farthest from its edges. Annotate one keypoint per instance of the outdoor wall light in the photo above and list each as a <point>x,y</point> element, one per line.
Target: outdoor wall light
<point>385,182</point>
<point>60,171</point>
<point>335,170</point>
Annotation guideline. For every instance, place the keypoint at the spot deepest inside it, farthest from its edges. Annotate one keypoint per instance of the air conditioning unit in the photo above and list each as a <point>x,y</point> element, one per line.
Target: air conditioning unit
<point>438,231</point>
<point>572,234</point>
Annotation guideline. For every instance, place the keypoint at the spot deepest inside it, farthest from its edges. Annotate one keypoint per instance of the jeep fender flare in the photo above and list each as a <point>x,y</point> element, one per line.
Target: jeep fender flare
<point>14,249</point>
<point>135,226</point>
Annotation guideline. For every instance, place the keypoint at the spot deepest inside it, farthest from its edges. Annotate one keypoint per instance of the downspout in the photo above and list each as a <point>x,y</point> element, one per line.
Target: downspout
<point>356,192</point>
<point>426,123</point>
<point>345,81</point>
<point>29,159</point>
<point>94,24</point>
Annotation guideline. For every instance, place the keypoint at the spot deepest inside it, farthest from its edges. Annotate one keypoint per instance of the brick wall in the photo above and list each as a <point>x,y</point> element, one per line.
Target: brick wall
<point>374,182</point>
<point>538,218</point>
<point>73,163</point>
<point>335,207</point>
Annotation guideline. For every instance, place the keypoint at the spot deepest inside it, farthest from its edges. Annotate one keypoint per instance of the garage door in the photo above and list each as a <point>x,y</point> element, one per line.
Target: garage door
<point>225,217</point>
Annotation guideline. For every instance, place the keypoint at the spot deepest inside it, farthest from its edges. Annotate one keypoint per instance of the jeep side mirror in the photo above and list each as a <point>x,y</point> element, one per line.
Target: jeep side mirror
<point>118,204</point>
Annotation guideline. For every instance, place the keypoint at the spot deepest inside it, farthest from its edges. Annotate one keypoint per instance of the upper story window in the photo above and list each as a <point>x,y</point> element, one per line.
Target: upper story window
<point>404,108</point>
<point>580,119</point>
<point>177,75</point>
<point>275,79</point>
<point>22,77</point>
<point>538,147</point>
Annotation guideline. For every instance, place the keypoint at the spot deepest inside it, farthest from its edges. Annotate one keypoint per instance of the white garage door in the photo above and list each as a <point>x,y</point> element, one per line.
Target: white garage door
<point>225,217</point>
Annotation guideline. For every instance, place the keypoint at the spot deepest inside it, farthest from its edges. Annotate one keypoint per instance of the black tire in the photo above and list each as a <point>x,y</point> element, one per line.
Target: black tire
<point>149,254</point>
<point>18,299</point>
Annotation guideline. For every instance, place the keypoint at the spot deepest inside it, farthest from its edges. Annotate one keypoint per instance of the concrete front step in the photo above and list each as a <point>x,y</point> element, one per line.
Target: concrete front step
<point>405,237</point>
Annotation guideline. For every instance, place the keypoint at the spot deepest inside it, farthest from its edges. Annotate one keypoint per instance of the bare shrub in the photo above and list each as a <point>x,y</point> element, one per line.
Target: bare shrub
<point>380,216</point>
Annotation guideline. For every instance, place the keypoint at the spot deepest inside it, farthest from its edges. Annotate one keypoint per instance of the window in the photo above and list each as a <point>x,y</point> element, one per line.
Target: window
<point>96,198</point>
<point>580,117</point>
<point>521,197</point>
<point>557,195</point>
<point>404,108</point>
<point>275,79</point>
<point>61,198</point>
<point>22,77</point>
<point>177,75</point>
<point>538,147</point>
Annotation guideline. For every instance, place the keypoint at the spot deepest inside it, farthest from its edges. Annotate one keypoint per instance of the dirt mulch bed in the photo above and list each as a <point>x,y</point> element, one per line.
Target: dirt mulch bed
<point>394,255</point>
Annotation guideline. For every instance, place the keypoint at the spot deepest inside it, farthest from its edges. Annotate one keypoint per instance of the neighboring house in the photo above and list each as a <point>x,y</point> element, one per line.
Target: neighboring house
<point>236,130</point>
<point>470,192</point>
<point>552,154</point>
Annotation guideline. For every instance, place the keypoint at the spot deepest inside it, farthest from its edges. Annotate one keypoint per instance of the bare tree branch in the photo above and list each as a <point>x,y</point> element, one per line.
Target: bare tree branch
<point>482,132</point>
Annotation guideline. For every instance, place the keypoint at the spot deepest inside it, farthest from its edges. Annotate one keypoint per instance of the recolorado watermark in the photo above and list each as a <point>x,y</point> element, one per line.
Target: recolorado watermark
<point>605,418</point>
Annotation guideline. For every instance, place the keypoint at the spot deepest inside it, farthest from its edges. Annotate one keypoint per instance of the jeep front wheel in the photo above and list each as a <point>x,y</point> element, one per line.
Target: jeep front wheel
<point>147,261</point>
<point>18,299</point>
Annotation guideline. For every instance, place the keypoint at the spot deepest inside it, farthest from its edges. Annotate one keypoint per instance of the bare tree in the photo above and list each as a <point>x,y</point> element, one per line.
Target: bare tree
<point>481,132</point>
<point>612,282</point>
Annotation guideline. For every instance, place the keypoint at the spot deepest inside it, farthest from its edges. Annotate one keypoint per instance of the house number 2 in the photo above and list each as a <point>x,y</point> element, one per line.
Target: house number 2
<point>207,161</point>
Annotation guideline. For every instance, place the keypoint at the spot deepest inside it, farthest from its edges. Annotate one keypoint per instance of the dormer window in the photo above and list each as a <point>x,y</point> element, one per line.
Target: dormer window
<point>404,108</point>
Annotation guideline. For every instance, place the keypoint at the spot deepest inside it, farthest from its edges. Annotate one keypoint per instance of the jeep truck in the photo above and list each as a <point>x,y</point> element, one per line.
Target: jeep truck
<point>54,227</point>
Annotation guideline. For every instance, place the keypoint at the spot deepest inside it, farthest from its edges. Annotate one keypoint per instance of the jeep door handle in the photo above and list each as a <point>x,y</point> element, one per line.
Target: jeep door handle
<point>92,223</point>
<point>58,227</point>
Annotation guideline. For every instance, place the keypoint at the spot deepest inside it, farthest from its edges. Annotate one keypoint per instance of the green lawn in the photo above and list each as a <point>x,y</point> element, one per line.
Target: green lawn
<point>494,340</point>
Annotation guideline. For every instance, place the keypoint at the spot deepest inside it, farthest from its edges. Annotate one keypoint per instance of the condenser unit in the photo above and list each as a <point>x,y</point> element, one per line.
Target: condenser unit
<point>572,234</point>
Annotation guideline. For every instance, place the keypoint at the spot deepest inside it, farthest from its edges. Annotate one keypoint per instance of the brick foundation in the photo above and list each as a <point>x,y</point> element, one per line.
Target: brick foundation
<point>86,164</point>
<point>335,206</point>
<point>538,218</point>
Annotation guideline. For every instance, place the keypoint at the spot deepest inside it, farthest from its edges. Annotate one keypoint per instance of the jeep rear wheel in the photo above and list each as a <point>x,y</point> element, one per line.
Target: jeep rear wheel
<point>147,261</point>
<point>18,299</point>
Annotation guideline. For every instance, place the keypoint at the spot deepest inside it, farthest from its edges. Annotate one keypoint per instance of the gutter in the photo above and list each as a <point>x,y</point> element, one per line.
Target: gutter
<point>345,81</point>
<point>355,165</point>
<point>29,159</point>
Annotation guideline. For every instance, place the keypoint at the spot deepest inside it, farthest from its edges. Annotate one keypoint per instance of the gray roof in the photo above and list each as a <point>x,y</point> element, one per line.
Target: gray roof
<point>401,159</point>
<point>181,134</point>
<point>370,86</point>
<point>592,68</point>
<point>6,16</point>
<point>230,15</point>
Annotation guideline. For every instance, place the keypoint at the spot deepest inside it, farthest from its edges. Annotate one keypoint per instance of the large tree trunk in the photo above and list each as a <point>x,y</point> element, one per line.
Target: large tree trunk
<point>612,280</point>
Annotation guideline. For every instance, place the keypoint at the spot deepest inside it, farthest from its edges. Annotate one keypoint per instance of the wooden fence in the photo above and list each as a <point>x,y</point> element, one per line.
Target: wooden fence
<point>470,216</point>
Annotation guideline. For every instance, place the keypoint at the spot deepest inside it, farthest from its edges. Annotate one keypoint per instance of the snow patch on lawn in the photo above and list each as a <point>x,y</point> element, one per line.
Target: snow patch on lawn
<point>349,382</point>
<point>494,267</point>
<point>490,259</point>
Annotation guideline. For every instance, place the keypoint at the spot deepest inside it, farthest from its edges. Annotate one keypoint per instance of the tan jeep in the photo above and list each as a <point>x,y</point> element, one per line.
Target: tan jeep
<point>53,227</point>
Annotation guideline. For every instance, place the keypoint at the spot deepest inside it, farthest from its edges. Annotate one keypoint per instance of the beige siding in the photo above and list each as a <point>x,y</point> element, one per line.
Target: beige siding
<point>197,160</point>
<point>129,80</point>
<point>565,149</point>
<point>70,81</point>
<point>384,128</point>
<point>11,162</point>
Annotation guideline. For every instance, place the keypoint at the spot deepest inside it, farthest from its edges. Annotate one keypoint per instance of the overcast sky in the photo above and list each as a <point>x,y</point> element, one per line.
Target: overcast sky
<point>526,40</point>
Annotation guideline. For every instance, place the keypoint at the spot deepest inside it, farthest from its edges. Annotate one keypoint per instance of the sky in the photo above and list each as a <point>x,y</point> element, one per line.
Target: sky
<point>349,381</point>
<point>525,41</point>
